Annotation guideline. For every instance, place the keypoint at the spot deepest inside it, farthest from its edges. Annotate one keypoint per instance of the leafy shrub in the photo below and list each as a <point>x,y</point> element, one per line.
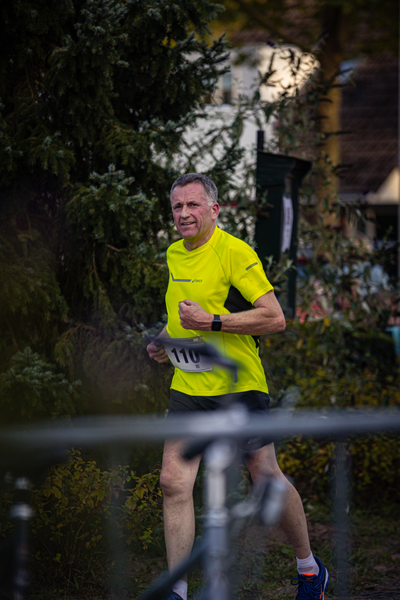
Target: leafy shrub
<point>374,461</point>
<point>31,389</point>
<point>142,509</point>
<point>308,463</point>
<point>68,533</point>
<point>333,364</point>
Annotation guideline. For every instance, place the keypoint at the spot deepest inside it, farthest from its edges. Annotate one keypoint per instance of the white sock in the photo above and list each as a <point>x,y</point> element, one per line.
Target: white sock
<point>181,587</point>
<point>307,566</point>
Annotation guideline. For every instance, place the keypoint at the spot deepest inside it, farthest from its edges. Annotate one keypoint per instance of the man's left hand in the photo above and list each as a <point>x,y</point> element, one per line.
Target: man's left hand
<point>192,316</point>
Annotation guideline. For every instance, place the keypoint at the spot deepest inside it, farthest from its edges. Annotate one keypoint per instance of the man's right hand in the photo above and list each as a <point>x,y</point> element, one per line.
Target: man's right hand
<point>157,351</point>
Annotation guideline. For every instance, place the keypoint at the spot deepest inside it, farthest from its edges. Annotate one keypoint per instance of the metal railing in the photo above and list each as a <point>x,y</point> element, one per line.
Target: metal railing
<point>25,451</point>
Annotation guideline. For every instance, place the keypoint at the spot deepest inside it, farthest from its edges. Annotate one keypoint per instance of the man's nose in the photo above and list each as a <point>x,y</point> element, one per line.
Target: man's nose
<point>185,211</point>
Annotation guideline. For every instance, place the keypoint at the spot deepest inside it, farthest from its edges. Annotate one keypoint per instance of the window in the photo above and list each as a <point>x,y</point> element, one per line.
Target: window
<point>227,88</point>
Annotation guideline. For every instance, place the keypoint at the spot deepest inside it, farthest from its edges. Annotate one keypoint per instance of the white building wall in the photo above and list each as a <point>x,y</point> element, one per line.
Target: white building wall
<point>245,80</point>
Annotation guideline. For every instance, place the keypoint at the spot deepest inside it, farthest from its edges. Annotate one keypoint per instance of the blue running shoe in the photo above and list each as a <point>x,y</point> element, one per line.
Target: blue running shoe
<point>173,596</point>
<point>312,587</point>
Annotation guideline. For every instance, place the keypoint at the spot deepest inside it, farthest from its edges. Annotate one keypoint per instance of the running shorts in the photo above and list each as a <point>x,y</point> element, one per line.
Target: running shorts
<point>255,401</point>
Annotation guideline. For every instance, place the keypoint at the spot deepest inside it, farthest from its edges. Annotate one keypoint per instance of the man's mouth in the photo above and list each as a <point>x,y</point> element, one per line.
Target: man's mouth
<point>187,223</point>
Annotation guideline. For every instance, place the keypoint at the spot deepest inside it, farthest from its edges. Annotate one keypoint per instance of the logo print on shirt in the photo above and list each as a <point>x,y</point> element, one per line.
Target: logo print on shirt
<point>187,280</point>
<point>249,267</point>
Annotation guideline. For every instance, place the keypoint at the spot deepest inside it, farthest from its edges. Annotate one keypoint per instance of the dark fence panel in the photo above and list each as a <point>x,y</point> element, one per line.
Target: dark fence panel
<point>28,451</point>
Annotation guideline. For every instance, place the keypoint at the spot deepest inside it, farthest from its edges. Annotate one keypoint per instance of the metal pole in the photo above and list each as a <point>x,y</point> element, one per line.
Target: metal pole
<point>218,456</point>
<point>342,507</point>
<point>260,140</point>
<point>22,514</point>
<point>118,579</point>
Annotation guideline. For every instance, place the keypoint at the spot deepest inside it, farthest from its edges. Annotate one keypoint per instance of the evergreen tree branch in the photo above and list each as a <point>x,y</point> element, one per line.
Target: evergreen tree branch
<point>115,249</point>
<point>13,336</point>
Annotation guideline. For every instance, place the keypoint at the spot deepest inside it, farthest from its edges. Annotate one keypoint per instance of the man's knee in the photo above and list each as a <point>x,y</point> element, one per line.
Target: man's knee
<point>176,482</point>
<point>262,463</point>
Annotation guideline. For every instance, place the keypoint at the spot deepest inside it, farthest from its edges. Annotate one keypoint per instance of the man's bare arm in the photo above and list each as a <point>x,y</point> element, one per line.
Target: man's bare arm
<point>266,317</point>
<point>157,350</point>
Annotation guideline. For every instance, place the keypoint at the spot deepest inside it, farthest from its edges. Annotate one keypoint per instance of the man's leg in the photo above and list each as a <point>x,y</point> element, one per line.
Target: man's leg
<point>177,480</point>
<point>313,577</point>
<point>263,462</point>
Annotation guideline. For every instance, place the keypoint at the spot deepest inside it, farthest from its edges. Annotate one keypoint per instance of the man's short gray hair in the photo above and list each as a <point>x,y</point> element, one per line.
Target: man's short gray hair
<point>209,186</point>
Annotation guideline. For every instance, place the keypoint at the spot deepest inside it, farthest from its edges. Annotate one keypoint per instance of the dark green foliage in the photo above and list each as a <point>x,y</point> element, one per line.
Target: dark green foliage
<point>327,364</point>
<point>31,389</point>
<point>95,96</point>
<point>32,305</point>
<point>333,365</point>
<point>70,547</point>
<point>83,514</point>
<point>337,352</point>
<point>373,461</point>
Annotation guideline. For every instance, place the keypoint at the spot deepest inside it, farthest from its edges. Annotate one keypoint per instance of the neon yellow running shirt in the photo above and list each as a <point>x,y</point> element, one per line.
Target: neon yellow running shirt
<point>224,276</point>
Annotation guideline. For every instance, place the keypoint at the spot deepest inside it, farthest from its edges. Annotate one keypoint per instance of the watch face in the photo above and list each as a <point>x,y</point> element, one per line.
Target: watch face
<point>216,324</point>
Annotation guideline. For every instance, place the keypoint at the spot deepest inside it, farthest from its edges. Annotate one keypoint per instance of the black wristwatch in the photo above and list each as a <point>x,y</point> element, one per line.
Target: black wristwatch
<point>216,324</point>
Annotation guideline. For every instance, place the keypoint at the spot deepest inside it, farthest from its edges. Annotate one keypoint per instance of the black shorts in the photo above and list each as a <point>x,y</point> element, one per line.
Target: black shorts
<point>255,401</point>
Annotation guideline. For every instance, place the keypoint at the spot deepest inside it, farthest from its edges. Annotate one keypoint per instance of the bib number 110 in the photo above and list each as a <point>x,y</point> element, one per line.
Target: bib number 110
<point>190,356</point>
<point>185,354</point>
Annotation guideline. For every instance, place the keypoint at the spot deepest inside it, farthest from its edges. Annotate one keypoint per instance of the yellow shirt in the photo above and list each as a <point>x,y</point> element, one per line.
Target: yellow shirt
<point>224,276</point>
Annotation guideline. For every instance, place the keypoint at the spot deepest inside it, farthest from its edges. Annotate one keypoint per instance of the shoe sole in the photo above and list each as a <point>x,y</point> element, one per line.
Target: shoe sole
<point>326,583</point>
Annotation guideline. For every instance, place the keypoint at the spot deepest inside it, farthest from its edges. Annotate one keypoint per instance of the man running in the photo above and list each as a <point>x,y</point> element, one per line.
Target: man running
<point>218,293</point>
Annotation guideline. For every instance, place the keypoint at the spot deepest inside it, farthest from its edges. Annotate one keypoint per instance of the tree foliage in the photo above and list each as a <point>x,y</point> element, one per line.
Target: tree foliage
<point>342,284</point>
<point>95,100</point>
<point>357,26</point>
<point>331,30</point>
<point>337,352</point>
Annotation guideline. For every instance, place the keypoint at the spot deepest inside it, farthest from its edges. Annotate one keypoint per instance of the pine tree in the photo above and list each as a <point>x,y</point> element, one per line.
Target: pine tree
<point>95,97</point>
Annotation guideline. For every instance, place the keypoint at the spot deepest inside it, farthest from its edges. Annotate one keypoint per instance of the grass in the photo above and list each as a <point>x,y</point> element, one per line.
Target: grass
<point>374,556</point>
<point>265,563</point>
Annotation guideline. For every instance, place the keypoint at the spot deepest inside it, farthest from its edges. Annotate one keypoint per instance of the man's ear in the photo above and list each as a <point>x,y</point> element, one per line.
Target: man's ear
<point>215,210</point>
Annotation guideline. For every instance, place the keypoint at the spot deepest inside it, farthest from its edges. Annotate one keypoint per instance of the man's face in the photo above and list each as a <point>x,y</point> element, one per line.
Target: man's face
<point>194,217</point>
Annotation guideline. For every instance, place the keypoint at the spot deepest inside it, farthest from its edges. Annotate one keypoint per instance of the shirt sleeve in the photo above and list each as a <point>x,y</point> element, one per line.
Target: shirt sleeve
<point>247,273</point>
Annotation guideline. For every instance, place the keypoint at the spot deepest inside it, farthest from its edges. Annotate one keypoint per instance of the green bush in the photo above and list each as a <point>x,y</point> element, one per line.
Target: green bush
<point>332,364</point>
<point>374,462</point>
<point>308,463</point>
<point>142,510</point>
<point>70,548</point>
<point>32,389</point>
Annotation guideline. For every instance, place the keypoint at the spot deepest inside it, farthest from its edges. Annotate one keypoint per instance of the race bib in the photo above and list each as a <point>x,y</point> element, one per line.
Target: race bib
<point>186,357</point>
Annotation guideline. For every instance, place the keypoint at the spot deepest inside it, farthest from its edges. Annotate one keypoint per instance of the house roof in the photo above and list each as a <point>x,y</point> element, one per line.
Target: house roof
<point>370,107</point>
<point>370,115</point>
<point>370,112</point>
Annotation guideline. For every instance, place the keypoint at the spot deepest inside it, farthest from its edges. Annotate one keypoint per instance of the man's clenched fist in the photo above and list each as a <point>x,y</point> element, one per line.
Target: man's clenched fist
<point>192,316</point>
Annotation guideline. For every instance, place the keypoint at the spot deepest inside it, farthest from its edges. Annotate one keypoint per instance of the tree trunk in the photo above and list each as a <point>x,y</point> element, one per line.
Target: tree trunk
<point>329,113</point>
